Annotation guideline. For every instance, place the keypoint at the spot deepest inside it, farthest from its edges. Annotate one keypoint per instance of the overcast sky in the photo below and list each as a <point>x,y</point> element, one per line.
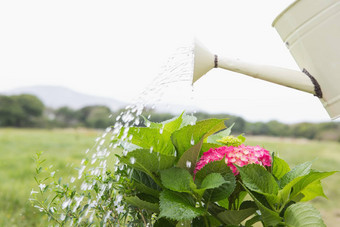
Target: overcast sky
<point>115,48</point>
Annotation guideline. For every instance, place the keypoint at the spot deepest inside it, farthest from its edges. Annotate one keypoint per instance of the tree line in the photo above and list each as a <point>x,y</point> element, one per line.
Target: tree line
<point>28,111</point>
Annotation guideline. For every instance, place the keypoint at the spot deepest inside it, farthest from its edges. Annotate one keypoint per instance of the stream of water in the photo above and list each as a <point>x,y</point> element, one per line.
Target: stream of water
<point>175,75</point>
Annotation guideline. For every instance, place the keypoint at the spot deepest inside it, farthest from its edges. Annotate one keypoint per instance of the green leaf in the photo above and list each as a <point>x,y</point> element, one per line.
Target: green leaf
<point>279,167</point>
<point>252,221</point>
<point>189,158</point>
<point>189,135</point>
<point>164,222</point>
<point>299,170</point>
<point>217,136</point>
<point>178,206</point>
<point>145,183</point>
<point>213,180</point>
<point>177,179</point>
<point>269,217</point>
<point>308,179</point>
<point>223,191</point>
<point>173,124</point>
<point>303,215</point>
<point>169,125</point>
<point>150,138</point>
<point>137,202</point>
<point>235,217</point>
<point>311,191</point>
<point>148,162</point>
<point>258,179</point>
<point>188,120</point>
<point>212,167</point>
<point>184,223</point>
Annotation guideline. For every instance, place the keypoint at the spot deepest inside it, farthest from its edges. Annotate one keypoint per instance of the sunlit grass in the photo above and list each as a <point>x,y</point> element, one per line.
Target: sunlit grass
<point>61,148</point>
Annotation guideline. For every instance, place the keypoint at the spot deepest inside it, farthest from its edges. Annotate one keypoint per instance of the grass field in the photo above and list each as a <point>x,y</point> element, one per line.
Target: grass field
<point>63,148</point>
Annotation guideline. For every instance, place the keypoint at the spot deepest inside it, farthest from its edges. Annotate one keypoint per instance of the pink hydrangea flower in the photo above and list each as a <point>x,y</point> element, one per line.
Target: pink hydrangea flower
<point>240,156</point>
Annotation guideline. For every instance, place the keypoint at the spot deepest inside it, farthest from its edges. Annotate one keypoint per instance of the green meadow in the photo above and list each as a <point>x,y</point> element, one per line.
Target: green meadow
<point>65,148</point>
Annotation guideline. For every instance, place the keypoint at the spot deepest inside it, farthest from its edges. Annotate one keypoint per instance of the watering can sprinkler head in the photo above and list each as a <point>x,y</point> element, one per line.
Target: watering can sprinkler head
<point>311,33</point>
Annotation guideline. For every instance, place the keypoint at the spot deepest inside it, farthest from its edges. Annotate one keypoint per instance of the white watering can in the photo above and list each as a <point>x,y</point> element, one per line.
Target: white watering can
<point>311,31</point>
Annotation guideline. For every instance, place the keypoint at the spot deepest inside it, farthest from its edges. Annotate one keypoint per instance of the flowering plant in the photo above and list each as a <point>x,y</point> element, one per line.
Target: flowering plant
<point>184,172</point>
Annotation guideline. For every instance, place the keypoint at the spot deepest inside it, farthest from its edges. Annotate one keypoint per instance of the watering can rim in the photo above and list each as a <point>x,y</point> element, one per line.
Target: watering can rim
<point>284,12</point>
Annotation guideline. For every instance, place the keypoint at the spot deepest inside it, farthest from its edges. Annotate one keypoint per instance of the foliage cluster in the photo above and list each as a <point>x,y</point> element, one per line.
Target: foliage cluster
<point>157,185</point>
<point>29,111</point>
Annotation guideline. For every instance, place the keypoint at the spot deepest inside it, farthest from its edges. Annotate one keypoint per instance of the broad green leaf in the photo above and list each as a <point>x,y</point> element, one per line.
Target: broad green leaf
<point>177,179</point>
<point>170,125</point>
<point>303,215</point>
<point>219,135</point>
<point>235,217</point>
<point>279,167</point>
<point>137,202</point>
<point>250,222</point>
<point>310,192</point>
<point>269,217</point>
<point>212,167</point>
<point>223,191</point>
<point>145,189</point>
<point>184,223</point>
<point>164,222</point>
<point>173,124</point>
<point>189,135</point>
<point>299,170</point>
<point>258,179</point>
<point>189,158</point>
<point>151,124</point>
<point>148,162</point>
<point>150,138</point>
<point>224,203</point>
<point>213,180</point>
<point>145,183</point>
<point>188,120</point>
<point>206,221</point>
<point>178,206</point>
<point>308,179</point>
<point>284,194</point>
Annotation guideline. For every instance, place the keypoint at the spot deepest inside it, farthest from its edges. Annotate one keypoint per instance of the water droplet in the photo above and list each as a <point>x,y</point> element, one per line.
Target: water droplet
<point>192,141</point>
<point>132,160</point>
<point>151,149</point>
<point>188,164</point>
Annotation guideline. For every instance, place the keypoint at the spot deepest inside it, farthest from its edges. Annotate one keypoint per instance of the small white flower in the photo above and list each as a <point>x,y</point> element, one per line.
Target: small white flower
<point>119,198</point>
<point>42,186</point>
<point>116,203</point>
<point>33,192</point>
<point>120,209</point>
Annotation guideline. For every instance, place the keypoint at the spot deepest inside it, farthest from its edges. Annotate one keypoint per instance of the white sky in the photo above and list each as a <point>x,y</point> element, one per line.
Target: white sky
<point>115,48</point>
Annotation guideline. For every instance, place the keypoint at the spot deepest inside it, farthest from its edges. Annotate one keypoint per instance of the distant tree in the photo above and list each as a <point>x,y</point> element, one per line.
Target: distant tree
<point>10,111</point>
<point>95,116</point>
<point>276,128</point>
<point>66,117</point>
<point>20,110</point>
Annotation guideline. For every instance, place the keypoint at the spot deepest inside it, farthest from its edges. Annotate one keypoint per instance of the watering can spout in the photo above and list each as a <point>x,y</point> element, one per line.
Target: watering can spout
<point>205,61</point>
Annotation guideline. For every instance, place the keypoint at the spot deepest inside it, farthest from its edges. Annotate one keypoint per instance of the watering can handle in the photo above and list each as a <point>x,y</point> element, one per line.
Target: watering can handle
<point>286,77</point>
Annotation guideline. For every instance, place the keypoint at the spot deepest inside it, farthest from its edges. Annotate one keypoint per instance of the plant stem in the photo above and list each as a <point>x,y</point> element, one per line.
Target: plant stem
<point>141,213</point>
<point>206,221</point>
